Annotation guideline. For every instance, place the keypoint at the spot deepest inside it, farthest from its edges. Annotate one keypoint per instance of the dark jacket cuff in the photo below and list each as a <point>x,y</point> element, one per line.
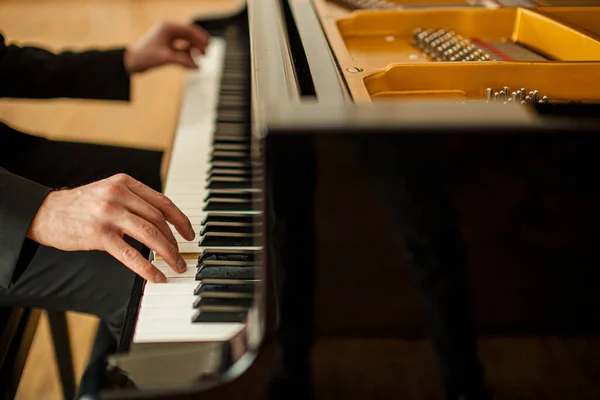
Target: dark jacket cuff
<point>20,200</point>
<point>107,76</point>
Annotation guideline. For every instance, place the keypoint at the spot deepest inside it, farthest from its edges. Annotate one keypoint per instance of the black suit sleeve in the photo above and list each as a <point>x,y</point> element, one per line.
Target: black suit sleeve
<point>19,202</point>
<point>31,72</point>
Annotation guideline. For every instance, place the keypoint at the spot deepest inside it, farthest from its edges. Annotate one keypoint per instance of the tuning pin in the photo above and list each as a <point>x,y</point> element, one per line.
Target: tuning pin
<point>488,94</point>
<point>416,33</point>
<point>545,99</point>
<point>514,96</point>
<point>536,96</point>
<point>528,99</point>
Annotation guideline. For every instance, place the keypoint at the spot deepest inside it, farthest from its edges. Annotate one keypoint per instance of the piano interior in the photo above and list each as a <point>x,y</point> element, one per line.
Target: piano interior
<point>352,145</point>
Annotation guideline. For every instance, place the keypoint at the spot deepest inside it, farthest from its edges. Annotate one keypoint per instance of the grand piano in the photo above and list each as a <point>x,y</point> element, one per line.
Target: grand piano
<point>374,182</point>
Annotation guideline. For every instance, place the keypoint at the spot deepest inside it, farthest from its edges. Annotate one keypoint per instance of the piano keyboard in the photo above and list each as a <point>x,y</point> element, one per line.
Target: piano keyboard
<point>210,179</point>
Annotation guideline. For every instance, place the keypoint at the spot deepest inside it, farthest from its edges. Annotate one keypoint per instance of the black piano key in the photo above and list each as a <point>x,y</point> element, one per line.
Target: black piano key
<point>228,219</point>
<point>219,317</point>
<point>231,153</point>
<point>219,228</point>
<point>220,196</point>
<point>234,101</point>
<point>229,172</point>
<point>230,136</point>
<point>230,139</point>
<point>233,91</point>
<point>231,164</point>
<point>245,291</point>
<point>229,71</point>
<point>233,178</point>
<point>231,227</point>
<point>214,240</point>
<point>220,255</point>
<point>232,128</point>
<point>244,304</point>
<point>230,146</point>
<point>229,206</point>
<point>237,272</point>
<point>229,198</point>
<point>232,193</point>
<point>215,184</point>
<point>228,132</point>
<point>241,181</point>
<point>229,85</point>
<point>235,84</point>
<point>245,165</point>
<point>226,115</point>
<point>229,160</point>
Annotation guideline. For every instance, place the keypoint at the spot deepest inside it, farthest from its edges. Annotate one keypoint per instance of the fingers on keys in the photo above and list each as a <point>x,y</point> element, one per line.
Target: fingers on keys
<point>150,235</point>
<point>196,36</point>
<point>133,260</point>
<point>162,203</point>
<point>148,212</point>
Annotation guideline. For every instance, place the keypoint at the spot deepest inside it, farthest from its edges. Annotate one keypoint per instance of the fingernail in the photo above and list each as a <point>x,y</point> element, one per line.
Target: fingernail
<point>192,233</point>
<point>182,265</point>
<point>160,278</point>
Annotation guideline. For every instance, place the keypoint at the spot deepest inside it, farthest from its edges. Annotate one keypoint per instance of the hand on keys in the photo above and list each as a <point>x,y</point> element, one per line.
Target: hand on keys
<point>97,216</point>
<point>166,43</point>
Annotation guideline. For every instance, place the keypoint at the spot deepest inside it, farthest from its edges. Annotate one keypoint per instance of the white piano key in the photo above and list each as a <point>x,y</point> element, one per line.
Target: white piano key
<point>159,330</point>
<point>197,228</point>
<point>176,286</point>
<point>180,238</point>
<point>166,269</point>
<point>159,263</point>
<point>189,204</point>
<point>189,247</point>
<point>170,273</point>
<point>167,314</point>
<point>171,300</point>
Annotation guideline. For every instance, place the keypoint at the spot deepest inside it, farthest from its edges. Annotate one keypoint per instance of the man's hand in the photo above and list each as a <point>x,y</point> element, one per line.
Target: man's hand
<point>98,215</point>
<point>166,43</point>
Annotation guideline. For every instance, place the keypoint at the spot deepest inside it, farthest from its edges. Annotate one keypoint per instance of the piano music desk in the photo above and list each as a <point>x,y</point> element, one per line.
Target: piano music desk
<point>149,121</point>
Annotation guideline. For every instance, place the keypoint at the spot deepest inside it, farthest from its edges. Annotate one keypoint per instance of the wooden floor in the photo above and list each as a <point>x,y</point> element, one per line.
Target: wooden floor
<point>147,122</point>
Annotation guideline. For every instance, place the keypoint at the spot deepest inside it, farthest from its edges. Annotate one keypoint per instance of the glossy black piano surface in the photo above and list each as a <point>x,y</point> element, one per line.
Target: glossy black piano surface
<point>343,186</point>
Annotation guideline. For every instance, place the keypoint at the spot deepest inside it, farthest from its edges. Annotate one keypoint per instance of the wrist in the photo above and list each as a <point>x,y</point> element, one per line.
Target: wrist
<point>129,61</point>
<point>40,220</point>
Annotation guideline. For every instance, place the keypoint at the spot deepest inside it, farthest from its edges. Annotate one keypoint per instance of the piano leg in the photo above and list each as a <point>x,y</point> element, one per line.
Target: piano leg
<point>290,212</point>
<point>408,173</point>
